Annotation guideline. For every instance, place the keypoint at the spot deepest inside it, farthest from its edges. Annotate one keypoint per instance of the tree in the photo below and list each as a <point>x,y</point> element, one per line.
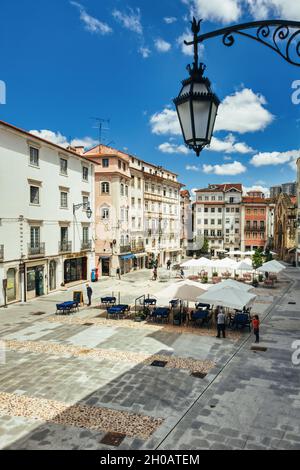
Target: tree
<point>205,247</point>
<point>257,259</point>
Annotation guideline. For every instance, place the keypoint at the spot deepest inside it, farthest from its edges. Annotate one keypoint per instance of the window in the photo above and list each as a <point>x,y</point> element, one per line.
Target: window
<point>146,206</point>
<point>227,209</point>
<point>153,188</point>
<point>85,202</point>
<point>248,211</point>
<point>232,209</point>
<point>213,233</point>
<point>126,215</point>
<point>262,224</point>
<point>132,201</point>
<point>219,233</point>
<point>139,183</point>
<point>105,188</point>
<point>206,198</point>
<point>124,167</point>
<point>213,198</point>
<point>139,222</point>
<point>237,221</point>
<point>132,181</point>
<point>212,221</point>
<point>85,234</point>
<point>140,203</point>
<point>146,187</point>
<point>133,222</point>
<point>220,209</point>
<point>105,213</point>
<point>237,231</point>
<point>237,210</point>
<point>34,195</point>
<point>175,193</point>
<point>165,191</point>
<point>64,234</point>
<point>199,198</point>
<point>122,189</point>
<point>34,237</point>
<point>63,166</point>
<point>206,233</point>
<point>105,162</point>
<point>85,173</point>
<point>119,164</point>
<point>213,209</point>
<point>255,211</point>
<point>205,221</point>
<point>219,221</point>
<point>34,156</point>
<point>220,198</point>
<point>231,200</point>
<point>205,209</point>
<point>262,211</point>
<point>63,200</point>
<point>199,209</point>
<point>227,230</point>
<point>126,190</point>
<point>199,221</point>
<point>227,221</point>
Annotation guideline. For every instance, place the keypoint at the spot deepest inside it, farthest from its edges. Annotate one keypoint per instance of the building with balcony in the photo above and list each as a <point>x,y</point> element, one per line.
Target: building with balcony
<point>42,239</point>
<point>254,222</point>
<point>137,212</point>
<point>217,217</point>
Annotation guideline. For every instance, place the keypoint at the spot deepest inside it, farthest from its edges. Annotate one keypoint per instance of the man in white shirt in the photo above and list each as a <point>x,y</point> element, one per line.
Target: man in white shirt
<point>221,323</point>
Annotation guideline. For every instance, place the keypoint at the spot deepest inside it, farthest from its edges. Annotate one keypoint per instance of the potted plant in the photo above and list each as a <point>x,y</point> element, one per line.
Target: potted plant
<point>215,274</point>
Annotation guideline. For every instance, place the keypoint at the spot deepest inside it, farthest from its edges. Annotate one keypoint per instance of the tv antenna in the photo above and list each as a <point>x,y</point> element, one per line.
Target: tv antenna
<point>99,123</point>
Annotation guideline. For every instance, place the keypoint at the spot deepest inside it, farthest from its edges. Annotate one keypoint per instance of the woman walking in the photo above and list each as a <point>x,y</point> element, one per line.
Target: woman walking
<point>256,323</point>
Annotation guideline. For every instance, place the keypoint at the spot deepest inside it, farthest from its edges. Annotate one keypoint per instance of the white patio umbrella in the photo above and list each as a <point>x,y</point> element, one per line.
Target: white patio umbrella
<point>271,267</point>
<point>184,290</point>
<point>233,284</point>
<point>227,297</point>
<point>225,263</point>
<point>243,266</point>
<point>197,263</point>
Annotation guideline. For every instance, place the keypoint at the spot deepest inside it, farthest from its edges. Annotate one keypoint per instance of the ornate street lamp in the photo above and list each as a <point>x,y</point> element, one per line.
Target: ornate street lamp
<point>86,207</point>
<point>196,104</point>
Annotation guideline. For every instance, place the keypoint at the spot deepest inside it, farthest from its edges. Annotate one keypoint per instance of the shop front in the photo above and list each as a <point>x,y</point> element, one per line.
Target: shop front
<point>126,263</point>
<point>139,261</point>
<point>105,265</point>
<point>35,281</point>
<point>75,269</point>
<point>11,291</point>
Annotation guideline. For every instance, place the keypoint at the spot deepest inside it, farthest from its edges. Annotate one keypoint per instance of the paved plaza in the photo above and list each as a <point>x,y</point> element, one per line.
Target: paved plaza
<point>69,381</point>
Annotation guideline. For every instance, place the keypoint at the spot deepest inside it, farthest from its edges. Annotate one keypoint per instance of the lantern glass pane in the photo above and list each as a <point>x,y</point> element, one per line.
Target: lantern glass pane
<point>201,117</point>
<point>200,88</point>
<point>185,118</point>
<point>214,110</point>
<point>185,89</point>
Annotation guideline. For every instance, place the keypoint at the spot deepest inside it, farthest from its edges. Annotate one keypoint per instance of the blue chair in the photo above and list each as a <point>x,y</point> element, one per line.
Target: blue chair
<point>242,320</point>
<point>200,318</point>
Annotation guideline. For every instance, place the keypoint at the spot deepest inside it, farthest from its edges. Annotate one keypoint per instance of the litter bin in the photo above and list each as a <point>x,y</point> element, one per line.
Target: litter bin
<point>95,275</point>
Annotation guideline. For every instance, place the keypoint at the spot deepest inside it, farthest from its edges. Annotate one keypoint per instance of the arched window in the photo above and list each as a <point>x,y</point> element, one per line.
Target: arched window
<point>105,188</point>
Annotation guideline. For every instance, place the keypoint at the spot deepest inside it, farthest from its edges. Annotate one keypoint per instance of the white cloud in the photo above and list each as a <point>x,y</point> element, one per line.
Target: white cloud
<point>93,25</point>
<point>59,139</point>
<point>235,168</point>
<point>192,168</point>
<point>145,52</point>
<point>170,19</point>
<point>130,20</point>
<point>188,50</point>
<point>276,158</point>
<point>243,112</point>
<point>229,145</point>
<point>162,45</point>
<point>223,11</point>
<point>165,122</point>
<point>287,9</point>
<point>172,148</point>
<point>256,187</point>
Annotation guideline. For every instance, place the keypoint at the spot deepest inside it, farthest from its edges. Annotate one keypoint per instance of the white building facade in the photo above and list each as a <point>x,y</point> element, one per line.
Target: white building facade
<point>45,243</point>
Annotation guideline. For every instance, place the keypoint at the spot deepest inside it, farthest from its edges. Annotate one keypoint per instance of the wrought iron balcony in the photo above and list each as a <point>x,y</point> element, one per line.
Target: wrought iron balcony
<point>36,250</point>
<point>86,245</point>
<point>252,228</point>
<point>65,247</point>
<point>1,252</point>
<point>137,247</point>
<point>125,249</point>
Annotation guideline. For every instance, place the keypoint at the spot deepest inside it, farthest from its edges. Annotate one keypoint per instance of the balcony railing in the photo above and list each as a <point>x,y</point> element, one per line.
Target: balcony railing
<point>138,248</point>
<point>65,247</point>
<point>86,245</point>
<point>125,249</point>
<point>1,252</point>
<point>36,250</point>
<point>252,228</point>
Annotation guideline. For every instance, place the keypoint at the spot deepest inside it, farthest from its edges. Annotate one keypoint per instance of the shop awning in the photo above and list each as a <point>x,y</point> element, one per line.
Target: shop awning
<point>125,257</point>
<point>140,255</point>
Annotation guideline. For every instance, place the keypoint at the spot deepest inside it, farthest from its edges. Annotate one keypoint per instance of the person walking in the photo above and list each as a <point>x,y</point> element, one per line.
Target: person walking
<point>89,293</point>
<point>169,264</point>
<point>155,274</point>
<point>221,323</point>
<point>181,274</point>
<point>256,323</point>
<point>118,273</point>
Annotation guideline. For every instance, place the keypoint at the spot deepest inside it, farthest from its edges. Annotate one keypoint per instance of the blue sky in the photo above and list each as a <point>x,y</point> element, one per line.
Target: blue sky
<point>65,62</point>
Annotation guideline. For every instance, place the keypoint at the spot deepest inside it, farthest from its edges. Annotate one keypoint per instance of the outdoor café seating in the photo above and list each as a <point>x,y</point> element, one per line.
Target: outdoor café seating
<point>108,301</point>
<point>160,315</point>
<point>240,320</point>
<point>200,305</point>
<point>150,302</point>
<point>200,318</point>
<point>117,311</point>
<point>268,283</point>
<point>67,308</point>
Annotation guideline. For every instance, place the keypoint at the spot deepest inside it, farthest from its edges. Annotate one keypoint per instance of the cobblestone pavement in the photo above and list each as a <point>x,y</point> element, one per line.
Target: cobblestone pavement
<point>65,384</point>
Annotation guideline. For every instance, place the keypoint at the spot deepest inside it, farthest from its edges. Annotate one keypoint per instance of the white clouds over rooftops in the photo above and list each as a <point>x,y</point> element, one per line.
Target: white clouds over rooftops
<point>167,147</point>
<point>230,169</point>
<point>276,158</point>
<point>91,24</point>
<point>223,11</point>
<point>59,139</point>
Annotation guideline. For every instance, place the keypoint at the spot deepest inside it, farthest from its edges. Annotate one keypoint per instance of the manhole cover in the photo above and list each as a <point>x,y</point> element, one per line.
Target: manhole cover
<point>259,348</point>
<point>113,439</point>
<point>159,363</point>
<point>39,313</point>
<point>292,303</point>
<point>198,375</point>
